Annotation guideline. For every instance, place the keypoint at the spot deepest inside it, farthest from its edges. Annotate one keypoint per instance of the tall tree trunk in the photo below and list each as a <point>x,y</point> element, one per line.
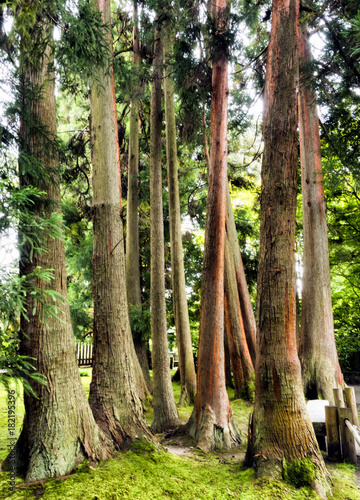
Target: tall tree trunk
<point>132,221</point>
<point>281,428</point>
<point>182,323</point>
<point>165,414</point>
<point>247,312</point>
<point>212,423</point>
<point>114,397</point>
<point>59,430</point>
<point>243,369</point>
<point>319,361</point>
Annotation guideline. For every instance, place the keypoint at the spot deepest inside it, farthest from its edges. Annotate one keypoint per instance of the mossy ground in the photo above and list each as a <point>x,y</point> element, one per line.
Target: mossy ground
<point>146,474</point>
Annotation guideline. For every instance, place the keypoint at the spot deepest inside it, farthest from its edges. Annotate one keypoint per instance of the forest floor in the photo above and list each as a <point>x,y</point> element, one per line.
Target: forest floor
<point>174,469</point>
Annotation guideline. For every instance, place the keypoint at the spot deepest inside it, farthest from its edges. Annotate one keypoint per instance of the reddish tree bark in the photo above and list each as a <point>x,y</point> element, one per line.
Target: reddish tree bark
<point>281,428</point>
<point>242,365</point>
<point>212,423</point>
<point>317,351</point>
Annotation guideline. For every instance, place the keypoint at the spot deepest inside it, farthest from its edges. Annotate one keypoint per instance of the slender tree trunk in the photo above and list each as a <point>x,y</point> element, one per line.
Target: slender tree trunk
<point>165,414</point>
<point>243,369</point>
<point>212,423</point>
<point>114,397</point>
<point>281,428</point>
<point>247,312</point>
<point>59,430</point>
<point>182,323</point>
<point>319,361</point>
<point>132,221</point>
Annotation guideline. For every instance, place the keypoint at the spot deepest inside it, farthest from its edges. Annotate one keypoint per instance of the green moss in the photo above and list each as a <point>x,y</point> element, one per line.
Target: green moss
<point>146,474</point>
<point>299,472</point>
<point>140,446</point>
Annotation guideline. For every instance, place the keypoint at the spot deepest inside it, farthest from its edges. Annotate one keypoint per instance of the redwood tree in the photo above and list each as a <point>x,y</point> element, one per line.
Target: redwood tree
<point>165,413</point>
<point>59,430</point>
<point>114,396</point>
<point>212,423</point>
<point>281,428</point>
<point>317,351</point>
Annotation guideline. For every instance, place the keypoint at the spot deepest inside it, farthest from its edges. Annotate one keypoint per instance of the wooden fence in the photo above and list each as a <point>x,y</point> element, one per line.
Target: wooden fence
<point>84,354</point>
<point>342,426</point>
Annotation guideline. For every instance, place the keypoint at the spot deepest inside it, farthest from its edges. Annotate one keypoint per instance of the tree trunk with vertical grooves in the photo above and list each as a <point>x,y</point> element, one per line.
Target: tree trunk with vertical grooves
<point>165,413</point>
<point>132,220</point>
<point>243,369</point>
<point>212,422</point>
<point>182,323</point>
<point>114,397</point>
<point>247,312</point>
<point>319,361</point>
<point>281,428</point>
<point>59,430</point>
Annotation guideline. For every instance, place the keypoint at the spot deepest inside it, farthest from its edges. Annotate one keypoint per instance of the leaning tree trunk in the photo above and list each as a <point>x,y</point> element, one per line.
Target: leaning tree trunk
<point>281,428</point>
<point>319,361</point>
<point>247,312</point>
<point>243,369</point>
<point>165,414</point>
<point>212,423</point>
<point>59,430</point>
<point>132,221</point>
<point>181,313</point>
<point>114,397</point>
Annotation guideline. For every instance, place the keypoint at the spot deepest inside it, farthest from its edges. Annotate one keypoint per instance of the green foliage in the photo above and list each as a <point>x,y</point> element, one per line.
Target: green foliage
<point>13,302</point>
<point>140,322</point>
<point>299,472</point>
<point>84,45</point>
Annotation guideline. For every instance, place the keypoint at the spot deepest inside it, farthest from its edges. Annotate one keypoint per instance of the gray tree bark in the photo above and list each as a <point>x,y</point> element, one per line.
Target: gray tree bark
<point>114,396</point>
<point>132,220</point>
<point>182,323</point>
<point>59,430</point>
<point>317,351</point>
<point>165,413</point>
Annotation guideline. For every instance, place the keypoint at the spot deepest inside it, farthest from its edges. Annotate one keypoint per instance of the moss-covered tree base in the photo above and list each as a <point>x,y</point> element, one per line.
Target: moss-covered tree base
<point>210,434</point>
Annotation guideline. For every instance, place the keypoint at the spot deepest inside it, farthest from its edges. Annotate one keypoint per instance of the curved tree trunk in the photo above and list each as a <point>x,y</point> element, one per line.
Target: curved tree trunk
<point>212,423</point>
<point>114,397</point>
<point>165,413</point>
<point>59,430</point>
<point>132,220</point>
<point>182,323</point>
<point>281,428</point>
<point>320,366</point>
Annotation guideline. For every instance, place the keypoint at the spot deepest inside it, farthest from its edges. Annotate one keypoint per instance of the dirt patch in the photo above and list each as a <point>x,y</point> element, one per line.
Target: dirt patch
<point>181,451</point>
